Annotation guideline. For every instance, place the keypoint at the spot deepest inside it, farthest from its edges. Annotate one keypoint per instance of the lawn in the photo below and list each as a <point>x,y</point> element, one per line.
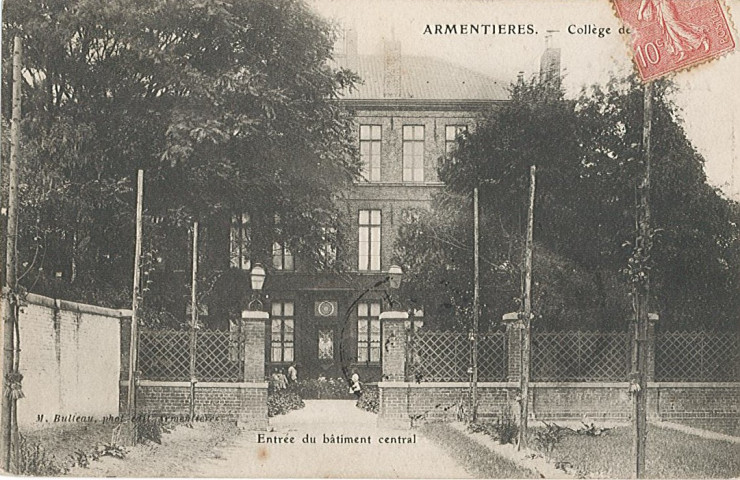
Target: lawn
<point>182,451</point>
<point>67,449</point>
<point>475,458</point>
<point>53,446</point>
<point>670,454</point>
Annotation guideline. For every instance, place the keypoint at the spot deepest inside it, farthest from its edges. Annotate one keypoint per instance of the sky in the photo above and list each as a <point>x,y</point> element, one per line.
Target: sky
<point>707,94</point>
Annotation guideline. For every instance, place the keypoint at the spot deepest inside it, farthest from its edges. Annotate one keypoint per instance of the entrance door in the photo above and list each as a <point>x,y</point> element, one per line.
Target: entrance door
<point>328,350</point>
<point>326,345</point>
<point>327,338</point>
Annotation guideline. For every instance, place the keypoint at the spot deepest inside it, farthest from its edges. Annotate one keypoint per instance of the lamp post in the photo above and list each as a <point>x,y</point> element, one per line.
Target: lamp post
<point>253,328</point>
<point>395,273</point>
<point>257,280</point>
<point>394,276</point>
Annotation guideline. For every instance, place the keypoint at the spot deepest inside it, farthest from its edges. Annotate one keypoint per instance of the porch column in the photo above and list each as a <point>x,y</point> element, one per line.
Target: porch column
<point>254,326</point>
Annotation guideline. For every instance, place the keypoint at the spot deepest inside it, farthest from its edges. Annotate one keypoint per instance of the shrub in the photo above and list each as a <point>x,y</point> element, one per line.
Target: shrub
<point>504,429</point>
<point>32,460</point>
<point>592,430</point>
<point>549,438</point>
<point>327,388</point>
<point>370,399</point>
<point>280,402</point>
<point>136,432</point>
<point>148,432</point>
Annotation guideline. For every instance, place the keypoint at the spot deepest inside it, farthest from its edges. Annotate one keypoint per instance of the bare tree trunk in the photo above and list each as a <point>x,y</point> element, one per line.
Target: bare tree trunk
<point>527,315</point>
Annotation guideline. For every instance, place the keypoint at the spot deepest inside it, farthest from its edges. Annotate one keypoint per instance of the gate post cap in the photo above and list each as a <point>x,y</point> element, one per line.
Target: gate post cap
<point>255,315</point>
<point>394,315</point>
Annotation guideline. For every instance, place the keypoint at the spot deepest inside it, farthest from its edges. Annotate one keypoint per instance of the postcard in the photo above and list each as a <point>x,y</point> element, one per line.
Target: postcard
<point>371,239</point>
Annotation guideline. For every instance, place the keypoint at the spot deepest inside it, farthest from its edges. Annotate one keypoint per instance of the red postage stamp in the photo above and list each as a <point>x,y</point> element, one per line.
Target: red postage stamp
<point>672,35</point>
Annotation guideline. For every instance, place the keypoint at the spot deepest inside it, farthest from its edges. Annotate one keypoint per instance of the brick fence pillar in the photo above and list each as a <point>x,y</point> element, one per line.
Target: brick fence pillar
<point>653,410</point>
<point>254,326</point>
<point>513,346</point>
<point>650,374</point>
<point>394,345</point>
<point>393,411</point>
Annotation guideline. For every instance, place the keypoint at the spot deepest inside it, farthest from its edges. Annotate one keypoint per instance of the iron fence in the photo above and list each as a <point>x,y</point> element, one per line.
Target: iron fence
<point>436,356</point>
<point>697,356</point>
<point>165,355</point>
<point>580,356</point>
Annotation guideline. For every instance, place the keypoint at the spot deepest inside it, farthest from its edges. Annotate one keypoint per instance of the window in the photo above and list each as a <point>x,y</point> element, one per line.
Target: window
<point>413,153</point>
<point>282,258</point>
<point>240,240</point>
<point>282,330</point>
<point>369,244</point>
<point>368,332</point>
<point>451,133</point>
<point>328,250</point>
<point>370,152</point>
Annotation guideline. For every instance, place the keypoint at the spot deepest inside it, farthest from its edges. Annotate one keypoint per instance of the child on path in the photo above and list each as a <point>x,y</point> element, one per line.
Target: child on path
<point>356,386</point>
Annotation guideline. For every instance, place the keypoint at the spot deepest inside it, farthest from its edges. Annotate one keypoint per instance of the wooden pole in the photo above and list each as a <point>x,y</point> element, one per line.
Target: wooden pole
<point>193,318</point>
<point>476,304</point>
<point>527,316</point>
<point>641,290</point>
<point>134,341</point>
<point>8,303</point>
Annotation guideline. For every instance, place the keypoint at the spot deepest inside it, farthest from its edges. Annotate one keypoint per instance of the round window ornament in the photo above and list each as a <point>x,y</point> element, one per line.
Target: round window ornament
<point>326,308</point>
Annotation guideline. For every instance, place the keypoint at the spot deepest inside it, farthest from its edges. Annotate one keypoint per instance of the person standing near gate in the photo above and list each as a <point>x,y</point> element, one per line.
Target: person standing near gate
<point>293,373</point>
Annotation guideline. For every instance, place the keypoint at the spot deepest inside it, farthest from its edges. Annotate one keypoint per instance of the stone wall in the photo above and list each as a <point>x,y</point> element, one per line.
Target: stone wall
<point>69,359</point>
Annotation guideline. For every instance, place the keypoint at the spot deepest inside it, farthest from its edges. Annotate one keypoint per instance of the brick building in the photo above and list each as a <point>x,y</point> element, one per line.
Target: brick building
<point>408,113</point>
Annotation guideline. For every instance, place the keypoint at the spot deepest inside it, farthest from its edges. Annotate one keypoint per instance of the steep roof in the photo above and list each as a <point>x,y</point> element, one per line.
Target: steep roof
<point>422,78</point>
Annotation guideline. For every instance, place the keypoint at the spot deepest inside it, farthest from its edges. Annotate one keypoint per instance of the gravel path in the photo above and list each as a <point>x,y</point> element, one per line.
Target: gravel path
<point>251,456</point>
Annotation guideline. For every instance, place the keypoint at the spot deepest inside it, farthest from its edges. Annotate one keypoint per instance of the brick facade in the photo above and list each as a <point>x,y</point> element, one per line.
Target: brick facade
<point>702,405</point>
<point>426,92</point>
<point>245,403</point>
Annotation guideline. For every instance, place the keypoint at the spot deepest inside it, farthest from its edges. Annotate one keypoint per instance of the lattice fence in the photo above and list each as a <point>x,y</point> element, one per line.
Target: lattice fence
<point>436,356</point>
<point>571,356</point>
<point>697,356</point>
<point>164,355</point>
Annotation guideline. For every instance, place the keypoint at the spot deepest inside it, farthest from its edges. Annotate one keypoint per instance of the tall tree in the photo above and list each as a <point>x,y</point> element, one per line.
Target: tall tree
<point>228,106</point>
<point>587,154</point>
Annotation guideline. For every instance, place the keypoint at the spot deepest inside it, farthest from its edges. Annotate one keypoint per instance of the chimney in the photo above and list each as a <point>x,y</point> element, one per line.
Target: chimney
<point>350,42</point>
<point>550,64</point>
<point>392,68</point>
<point>345,47</point>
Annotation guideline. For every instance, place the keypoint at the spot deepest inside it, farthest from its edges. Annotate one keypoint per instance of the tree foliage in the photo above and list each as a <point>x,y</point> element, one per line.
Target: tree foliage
<point>226,105</point>
<point>588,158</point>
